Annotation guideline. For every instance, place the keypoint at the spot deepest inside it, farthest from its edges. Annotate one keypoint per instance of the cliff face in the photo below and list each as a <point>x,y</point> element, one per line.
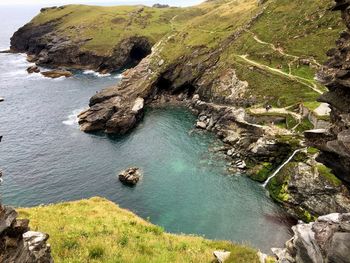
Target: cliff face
<point>107,39</point>
<point>17,243</point>
<point>325,240</point>
<point>335,143</point>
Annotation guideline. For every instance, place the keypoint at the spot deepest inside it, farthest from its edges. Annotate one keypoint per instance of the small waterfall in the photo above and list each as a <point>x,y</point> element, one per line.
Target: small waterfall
<point>279,168</point>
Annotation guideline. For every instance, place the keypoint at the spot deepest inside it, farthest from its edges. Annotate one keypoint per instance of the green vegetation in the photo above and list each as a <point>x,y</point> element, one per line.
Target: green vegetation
<point>305,215</point>
<point>105,27</point>
<point>327,174</point>
<point>312,150</point>
<point>304,125</point>
<point>277,55</point>
<point>261,172</point>
<point>278,185</point>
<point>97,230</point>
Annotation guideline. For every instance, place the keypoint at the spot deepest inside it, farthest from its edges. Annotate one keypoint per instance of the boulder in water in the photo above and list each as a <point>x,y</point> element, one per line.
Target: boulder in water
<point>130,176</point>
<point>57,74</point>
<point>33,69</point>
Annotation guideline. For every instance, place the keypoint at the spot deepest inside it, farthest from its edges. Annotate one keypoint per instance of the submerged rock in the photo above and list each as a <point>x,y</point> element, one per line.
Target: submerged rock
<point>57,74</point>
<point>130,176</point>
<point>325,240</point>
<point>33,69</point>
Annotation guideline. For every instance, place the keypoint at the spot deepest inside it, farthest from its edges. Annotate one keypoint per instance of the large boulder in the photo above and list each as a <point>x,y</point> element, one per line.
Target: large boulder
<point>325,240</point>
<point>130,176</point>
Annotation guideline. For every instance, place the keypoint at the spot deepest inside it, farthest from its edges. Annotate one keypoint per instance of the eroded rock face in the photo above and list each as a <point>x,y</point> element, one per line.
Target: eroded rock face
<point>335,145</point>
<point>325,240</point>
<point>18,244</point>
<point>117,109</point>
<point>307,190</point>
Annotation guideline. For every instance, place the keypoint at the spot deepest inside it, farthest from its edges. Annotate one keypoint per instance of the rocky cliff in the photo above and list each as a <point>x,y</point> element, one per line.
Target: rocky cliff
<point>17,243</point>
<point>335,142</point>
<point>108,39</point>
<point>325,240</point>
<point>225,60</point>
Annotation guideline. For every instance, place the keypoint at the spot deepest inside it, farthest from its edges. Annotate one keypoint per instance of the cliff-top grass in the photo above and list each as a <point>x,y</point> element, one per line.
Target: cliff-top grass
<point>106,26</point>
<point>97,230</point>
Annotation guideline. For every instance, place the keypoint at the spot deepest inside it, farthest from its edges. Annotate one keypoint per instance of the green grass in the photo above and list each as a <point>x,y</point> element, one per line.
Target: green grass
<point>311,105</point>
<point>327,174</point>
<point>97,230</point>
<point>107,26</point>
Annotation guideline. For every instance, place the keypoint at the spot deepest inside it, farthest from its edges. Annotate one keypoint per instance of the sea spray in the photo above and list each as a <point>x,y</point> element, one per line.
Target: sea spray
<point>72,118</point>
<point>280,167</point>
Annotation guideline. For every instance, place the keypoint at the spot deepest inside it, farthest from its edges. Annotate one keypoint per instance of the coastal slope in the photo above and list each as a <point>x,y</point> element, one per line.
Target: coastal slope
<point>97,230</point>
<point>227,61</point>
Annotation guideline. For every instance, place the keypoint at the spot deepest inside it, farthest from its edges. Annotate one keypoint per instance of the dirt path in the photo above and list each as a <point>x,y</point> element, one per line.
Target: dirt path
<point>301,80</point>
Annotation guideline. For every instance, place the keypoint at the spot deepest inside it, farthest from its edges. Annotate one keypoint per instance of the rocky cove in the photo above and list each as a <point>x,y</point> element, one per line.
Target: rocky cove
<point>255,140</point>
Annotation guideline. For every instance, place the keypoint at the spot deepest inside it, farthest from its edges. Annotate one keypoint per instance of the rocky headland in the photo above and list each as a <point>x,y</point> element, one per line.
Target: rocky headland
<point>247,70</point>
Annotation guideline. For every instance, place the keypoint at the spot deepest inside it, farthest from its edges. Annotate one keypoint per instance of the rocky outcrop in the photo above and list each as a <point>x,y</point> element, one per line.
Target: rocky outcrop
<point>18,244</point>
<point>54,74</point>
<point>130,176</point>
<point>308,189</point>
<point>335,142</point>
<point>47,46</point>
<point>117,109</point>
<point>325,240</point>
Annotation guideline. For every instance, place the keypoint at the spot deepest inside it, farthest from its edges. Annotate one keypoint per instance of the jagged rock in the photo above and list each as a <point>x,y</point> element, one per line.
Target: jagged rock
<point>195,97</point>
<point>138,105</point>
<point>33,69</point>
<point>18,244</point>
<point>130,176</point>
<point>321,241</point>
<point>57,74</point>
<point>306,190</point>
<point>221,256</point>
<point>336,76</point>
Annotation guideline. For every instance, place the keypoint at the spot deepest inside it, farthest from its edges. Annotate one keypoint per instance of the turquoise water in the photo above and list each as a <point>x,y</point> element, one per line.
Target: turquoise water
<point>185,187</point>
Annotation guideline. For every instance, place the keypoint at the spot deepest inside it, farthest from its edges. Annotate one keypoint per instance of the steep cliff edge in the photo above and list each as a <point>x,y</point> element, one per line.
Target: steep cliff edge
<point>104,39</point>
<point>335,142</point>
<point>226,60</point>
<point>17,243</point>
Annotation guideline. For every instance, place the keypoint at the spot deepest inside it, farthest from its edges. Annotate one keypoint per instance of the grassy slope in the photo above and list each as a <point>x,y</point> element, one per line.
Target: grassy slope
<point>108,25</point>
<point>305,29</point>
<point>97,230</point>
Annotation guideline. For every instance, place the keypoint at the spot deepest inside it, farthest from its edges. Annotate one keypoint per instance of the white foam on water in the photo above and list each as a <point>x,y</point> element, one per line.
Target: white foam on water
<point>118,76</point>
<point>72,118</point>
<point>97,74</point>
